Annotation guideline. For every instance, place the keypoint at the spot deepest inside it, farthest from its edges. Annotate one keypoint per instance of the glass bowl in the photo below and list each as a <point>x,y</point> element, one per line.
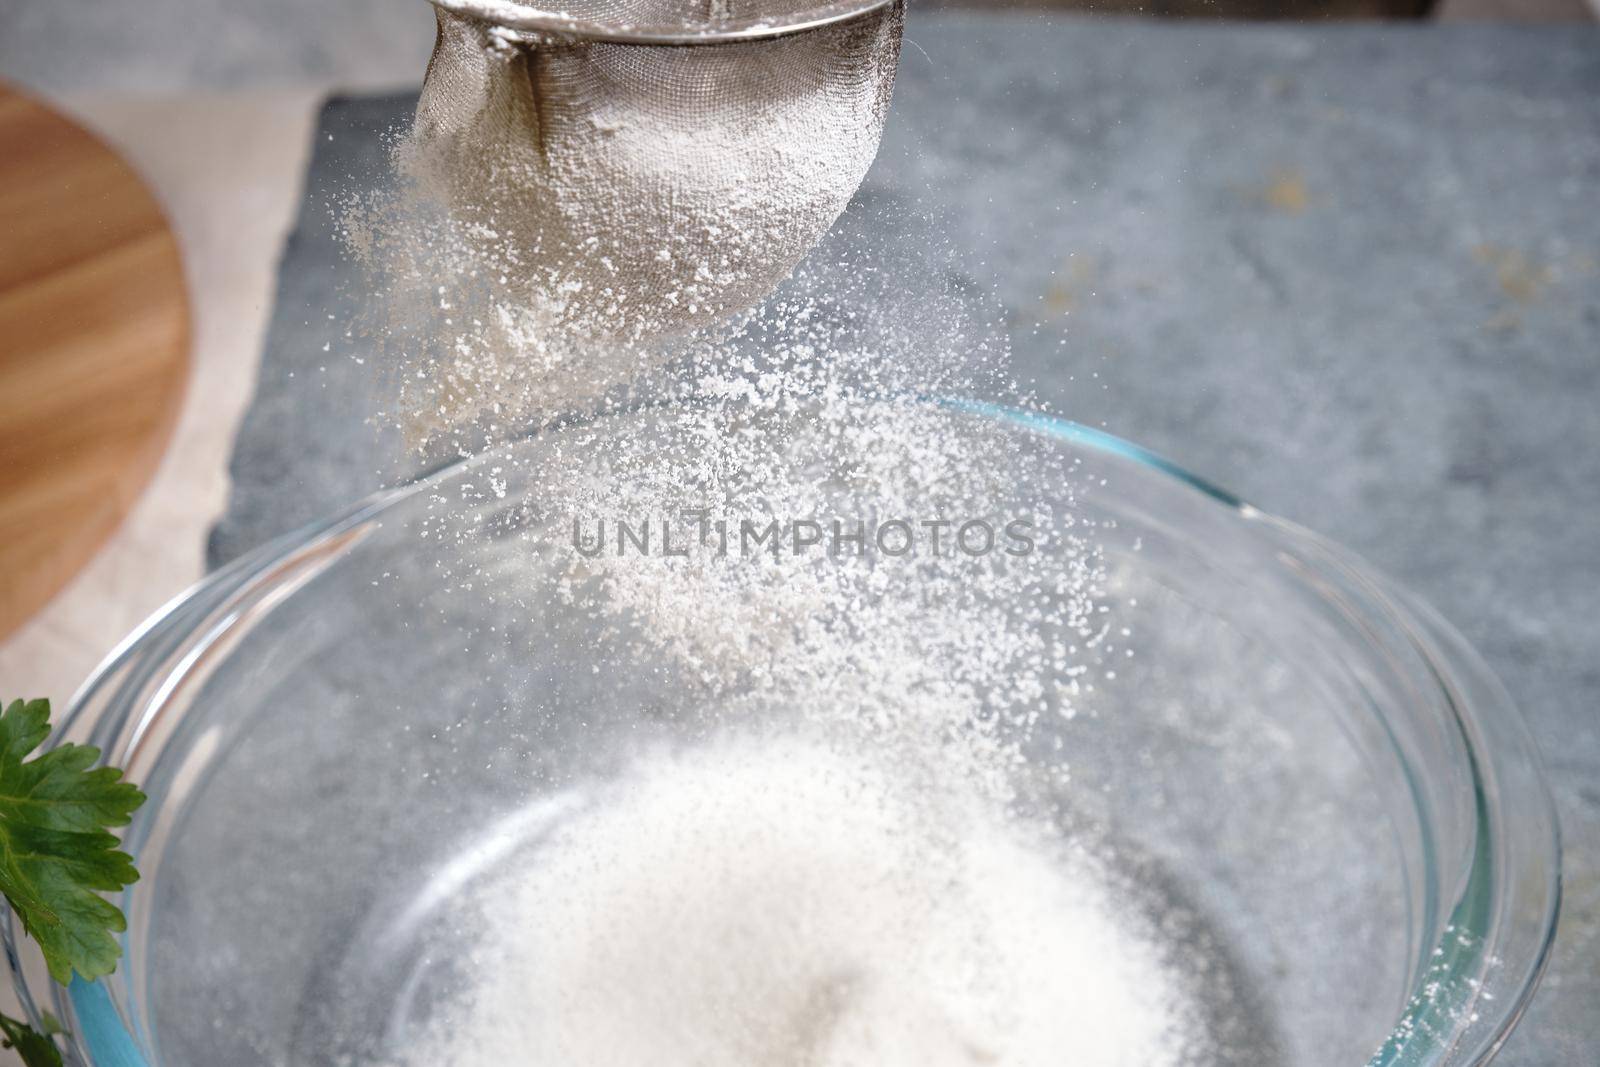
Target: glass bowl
<point>1308,780</point>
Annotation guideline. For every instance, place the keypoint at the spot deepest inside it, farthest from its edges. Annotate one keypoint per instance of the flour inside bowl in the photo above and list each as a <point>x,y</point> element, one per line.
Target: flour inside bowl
<point>772,901</point>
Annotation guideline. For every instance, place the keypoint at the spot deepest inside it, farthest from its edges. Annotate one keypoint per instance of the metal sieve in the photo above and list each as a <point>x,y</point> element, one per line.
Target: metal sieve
<point>637,168</point>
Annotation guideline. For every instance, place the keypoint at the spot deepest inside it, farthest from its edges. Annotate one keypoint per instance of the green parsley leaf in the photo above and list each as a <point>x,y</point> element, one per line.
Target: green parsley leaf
<point>56,855</point>
<point>36,1049</point>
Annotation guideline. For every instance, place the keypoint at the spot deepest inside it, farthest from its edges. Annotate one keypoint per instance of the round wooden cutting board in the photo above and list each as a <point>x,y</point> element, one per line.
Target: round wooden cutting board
<point>94,348</point>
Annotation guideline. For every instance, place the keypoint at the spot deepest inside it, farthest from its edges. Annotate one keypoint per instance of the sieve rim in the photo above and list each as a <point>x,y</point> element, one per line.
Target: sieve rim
<point>514,15</point>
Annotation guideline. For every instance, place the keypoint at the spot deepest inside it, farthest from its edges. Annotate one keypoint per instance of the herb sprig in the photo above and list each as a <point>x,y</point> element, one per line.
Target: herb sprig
<point>57,856</point>
<point>35,1049</point>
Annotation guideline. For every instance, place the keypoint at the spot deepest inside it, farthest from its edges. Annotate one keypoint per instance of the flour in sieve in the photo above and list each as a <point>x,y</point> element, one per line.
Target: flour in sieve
<point>639,190</point>
<point>565,211</point>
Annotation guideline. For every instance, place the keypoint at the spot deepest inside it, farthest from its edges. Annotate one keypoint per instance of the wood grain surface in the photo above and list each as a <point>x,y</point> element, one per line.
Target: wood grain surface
<point>94,348</point>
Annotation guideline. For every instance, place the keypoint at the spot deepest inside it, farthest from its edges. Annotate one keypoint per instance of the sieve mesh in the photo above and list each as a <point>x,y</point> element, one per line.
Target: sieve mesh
<point>637,189</point>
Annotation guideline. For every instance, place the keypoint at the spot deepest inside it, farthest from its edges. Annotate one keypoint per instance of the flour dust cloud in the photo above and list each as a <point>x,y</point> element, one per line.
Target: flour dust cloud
<point>848,853</point>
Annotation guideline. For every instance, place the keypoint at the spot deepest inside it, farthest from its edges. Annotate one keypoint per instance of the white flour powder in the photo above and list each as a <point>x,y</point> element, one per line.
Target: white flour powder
<point>874,901</point>
<point>862,889</point>
<point>764,902</point>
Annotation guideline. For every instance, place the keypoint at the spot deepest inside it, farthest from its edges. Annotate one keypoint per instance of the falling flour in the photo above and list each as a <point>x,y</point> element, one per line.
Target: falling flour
<point>776,902</point>
<point>850,867</point>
